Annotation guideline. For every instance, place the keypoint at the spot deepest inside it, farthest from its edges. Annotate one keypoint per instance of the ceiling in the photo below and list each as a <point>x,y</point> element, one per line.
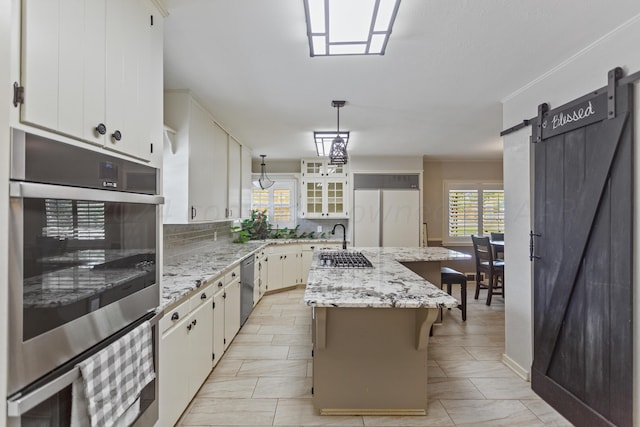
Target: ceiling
<point>436,92</point>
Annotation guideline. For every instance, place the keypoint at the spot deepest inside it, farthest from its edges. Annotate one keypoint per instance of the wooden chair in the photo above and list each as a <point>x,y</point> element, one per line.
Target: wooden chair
<point>449,277</point>
<point>489,271</point>
<point>497,253</point>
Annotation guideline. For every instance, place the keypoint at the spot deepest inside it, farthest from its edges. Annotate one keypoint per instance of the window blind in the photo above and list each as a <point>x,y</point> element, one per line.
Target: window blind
<point>492,211</point>
<point>463,212</point>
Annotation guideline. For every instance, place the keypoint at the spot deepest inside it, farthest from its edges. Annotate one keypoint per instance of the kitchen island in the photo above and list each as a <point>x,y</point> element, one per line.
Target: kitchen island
<point>370,331</point>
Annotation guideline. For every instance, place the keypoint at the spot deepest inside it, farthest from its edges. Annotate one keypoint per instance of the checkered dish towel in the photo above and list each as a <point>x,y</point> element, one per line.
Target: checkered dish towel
<point>114,377</point>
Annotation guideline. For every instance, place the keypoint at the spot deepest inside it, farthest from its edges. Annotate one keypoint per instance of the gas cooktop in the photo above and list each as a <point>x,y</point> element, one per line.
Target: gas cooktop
<point>344,259</point>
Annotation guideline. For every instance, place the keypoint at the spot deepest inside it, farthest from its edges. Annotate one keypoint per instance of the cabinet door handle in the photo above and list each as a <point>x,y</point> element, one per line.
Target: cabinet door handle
<point>175,316</point>
<point>101,129</point>
<point>194,322</point>
<point>189,326</point>
<point>203,296</point>
<point>193,212</point>
<point>233,274</point>
<point>220,284</point>
<point>117,135</point>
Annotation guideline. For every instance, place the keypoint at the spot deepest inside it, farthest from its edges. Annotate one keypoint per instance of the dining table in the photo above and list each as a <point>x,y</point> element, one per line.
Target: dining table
<point>498,247</point>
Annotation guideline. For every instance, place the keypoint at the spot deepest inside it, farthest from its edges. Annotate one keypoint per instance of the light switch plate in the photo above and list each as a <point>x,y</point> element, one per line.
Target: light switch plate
<point>319,229</point>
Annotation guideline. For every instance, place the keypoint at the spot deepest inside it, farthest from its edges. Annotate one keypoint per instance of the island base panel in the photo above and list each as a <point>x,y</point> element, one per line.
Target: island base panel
<point>371,361</point>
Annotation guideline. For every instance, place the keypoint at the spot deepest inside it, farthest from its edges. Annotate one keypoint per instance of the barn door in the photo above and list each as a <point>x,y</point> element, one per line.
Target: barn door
<point>582,253</point>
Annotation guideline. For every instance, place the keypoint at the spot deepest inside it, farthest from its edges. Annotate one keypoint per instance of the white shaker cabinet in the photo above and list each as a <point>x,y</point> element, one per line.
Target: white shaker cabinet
<point>231,307</point>
<point>285,266</point>
<point>186,347</point>
<point>246,183</point>
<point>218,321</point>
<point>195,171</point>
<point>90,69</point>
<point>234,168</point>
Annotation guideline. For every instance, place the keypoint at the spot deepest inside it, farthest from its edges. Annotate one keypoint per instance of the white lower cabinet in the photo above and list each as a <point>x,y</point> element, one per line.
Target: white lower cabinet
<point>285,267</point>
<point>231,310</point>
<point>186,347</point>
<point>218,323</point>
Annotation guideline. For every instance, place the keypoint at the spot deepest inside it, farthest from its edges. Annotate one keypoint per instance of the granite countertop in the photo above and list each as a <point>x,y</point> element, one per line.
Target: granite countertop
<point>388,284</point>
<point>187,268</point>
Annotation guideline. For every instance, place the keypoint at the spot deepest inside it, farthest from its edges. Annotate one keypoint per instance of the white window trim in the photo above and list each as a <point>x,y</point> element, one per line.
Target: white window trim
<point>282,181</point>
<point>463,185</point>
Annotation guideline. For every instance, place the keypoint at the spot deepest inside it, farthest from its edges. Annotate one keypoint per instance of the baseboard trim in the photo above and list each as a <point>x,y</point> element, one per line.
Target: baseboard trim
<point>515,367</point>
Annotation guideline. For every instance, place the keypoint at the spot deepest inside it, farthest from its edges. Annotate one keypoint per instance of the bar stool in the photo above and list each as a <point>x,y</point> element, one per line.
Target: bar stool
<point>449,276</point>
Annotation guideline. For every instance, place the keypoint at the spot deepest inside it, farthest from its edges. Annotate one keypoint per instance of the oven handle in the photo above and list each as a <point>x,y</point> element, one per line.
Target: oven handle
<point>18,189</point>
<point>22,404</point>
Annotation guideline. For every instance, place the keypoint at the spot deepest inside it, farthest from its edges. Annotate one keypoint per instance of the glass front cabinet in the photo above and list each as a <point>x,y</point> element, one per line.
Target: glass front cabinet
<point>319,168</point>
<point>324,198</point>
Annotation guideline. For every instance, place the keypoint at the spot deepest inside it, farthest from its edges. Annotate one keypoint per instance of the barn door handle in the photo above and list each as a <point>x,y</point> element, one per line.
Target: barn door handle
<point>532,246</point>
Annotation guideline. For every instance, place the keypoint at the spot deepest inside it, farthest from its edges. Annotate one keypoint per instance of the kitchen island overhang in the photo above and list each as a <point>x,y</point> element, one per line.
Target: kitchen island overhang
<point>370,332</point>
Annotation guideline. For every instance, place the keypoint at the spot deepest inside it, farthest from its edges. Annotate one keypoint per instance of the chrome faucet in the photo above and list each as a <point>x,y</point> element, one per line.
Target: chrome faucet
<point>344,234</point>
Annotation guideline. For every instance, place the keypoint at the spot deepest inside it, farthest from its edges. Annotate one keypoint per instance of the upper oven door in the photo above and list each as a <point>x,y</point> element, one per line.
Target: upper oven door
<point>82,266</point>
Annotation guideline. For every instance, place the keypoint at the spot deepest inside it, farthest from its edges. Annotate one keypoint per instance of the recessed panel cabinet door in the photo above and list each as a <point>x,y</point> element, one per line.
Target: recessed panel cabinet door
<point>174,372</point>
<point>128,42</point>
<point>231,311</point>
<point>201,341</point>
<point>235,178</point>
<point>63,66</point>
<point>218,325</point>
<point>201,175</point>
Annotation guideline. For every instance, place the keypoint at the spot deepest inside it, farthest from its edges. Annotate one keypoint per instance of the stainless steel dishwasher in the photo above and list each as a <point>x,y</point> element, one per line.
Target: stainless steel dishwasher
<point>246,288</point>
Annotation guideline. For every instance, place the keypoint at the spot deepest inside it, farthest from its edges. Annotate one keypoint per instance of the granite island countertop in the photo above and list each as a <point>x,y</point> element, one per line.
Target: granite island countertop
<point>187,268</point>
<point>388,284</point>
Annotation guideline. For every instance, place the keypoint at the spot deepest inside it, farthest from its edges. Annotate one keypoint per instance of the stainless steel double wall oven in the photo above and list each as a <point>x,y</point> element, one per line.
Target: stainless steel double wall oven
<point>82,269</point>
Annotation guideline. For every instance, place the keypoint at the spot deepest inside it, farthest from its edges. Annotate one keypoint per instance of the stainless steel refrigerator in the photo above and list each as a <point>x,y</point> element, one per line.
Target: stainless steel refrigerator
<point>386,210</point>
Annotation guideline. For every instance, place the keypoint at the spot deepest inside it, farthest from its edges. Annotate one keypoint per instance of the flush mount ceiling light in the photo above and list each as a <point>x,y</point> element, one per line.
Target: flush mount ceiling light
<point>349,27</point>
<point>324,139</point>
<point>264,181</point>
<point>338,150</point>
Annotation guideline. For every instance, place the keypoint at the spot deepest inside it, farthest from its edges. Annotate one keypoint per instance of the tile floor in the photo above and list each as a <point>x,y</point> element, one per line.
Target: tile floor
<point>264,379</point>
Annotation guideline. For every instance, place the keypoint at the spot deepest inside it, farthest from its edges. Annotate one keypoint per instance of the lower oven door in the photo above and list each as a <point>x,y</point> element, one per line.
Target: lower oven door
<point>47,402</point>
<point>82,265</point>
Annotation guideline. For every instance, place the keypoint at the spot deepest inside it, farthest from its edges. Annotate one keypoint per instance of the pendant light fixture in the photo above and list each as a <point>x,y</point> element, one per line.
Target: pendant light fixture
<point>264,181</point>
<point>338,151</point>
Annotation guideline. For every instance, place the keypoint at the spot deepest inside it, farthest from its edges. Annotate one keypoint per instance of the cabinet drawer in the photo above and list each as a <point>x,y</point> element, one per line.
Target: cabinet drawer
<point>201,297</point>
<point>232,275</point>
<point>174,316</point>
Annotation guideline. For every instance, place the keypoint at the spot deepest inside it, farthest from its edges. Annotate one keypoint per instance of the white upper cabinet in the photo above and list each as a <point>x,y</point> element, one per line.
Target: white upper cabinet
<point>235,178</point>
<point>320,167</point>
<point>89,69</point>
<point>194,172</point>
<point>246,183</point>
<point>206,171</point>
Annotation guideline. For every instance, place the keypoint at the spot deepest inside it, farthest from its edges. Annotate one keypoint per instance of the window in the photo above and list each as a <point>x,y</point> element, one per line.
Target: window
<point>278,200</point>
<point>472,208</point>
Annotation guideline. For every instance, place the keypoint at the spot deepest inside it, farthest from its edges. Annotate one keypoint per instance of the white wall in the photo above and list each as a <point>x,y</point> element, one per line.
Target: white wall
<point>580,74</point>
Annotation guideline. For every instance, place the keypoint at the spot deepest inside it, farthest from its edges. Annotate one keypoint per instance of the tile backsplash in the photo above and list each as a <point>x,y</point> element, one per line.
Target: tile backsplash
<point>177,235</point>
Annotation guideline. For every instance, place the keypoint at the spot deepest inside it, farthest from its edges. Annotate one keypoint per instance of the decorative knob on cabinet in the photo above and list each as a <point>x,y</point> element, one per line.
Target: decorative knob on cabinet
<point>101,129</point>
<point>175,316</point>
<point>203,296</point>
<point>117,135</point>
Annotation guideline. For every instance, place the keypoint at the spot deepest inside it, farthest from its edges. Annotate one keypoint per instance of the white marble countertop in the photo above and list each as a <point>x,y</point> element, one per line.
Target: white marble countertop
<point>388,284</point>
<point>186,268</point>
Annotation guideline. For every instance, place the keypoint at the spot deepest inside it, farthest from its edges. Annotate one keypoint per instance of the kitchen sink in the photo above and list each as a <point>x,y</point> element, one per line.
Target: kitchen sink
<point>344,259</point>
